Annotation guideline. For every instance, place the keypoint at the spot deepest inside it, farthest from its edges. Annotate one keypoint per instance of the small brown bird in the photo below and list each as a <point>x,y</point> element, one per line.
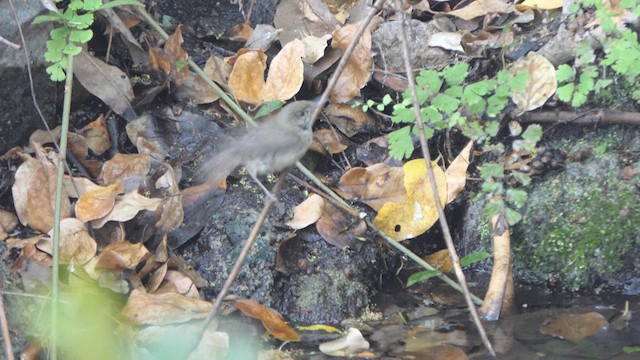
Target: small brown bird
<point>274,145</point>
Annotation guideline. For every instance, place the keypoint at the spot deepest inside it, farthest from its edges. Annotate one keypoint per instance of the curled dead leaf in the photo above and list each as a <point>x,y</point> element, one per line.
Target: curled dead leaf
<point>356,73</point>
<point>328,140</point>
<point>307,213</point>
<point>121,255</point>
<point>271,320</point>
<point>97,203</point>
<point>163,309</point>
<point>375,185</point>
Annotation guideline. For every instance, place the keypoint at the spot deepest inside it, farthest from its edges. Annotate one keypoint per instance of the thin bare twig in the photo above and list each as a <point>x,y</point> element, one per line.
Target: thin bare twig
<point>245,251</point>
<point>455,260</point>
<point>4,324</point>
<point>9,43</point>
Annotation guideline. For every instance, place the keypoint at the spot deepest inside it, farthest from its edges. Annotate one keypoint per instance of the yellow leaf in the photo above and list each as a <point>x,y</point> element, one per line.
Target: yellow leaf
<point>539,4</point>
<point>418,212</point>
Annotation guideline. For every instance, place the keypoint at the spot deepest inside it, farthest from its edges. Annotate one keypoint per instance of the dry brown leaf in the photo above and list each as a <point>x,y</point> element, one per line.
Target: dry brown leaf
<point>574,327</point>
<point>481,8</point>
<point>83,185</point>
<point>195,89</point>
<point>247,77</point>
<point>262,37</point>
<point>172,211</point>
<point>159,61</point>
<point>218,70</point>
<point>20,188</point>
<point>456,173</point>
<point>163,309</point>
<point>374,151</point>
<point>446,40</point>
<point>271,320</point>
<point>106,82</point>
<point>349,119</point>
<point>77,144</point>
<point>417,213</point>
<point>122,166</point>
<point>290,17</point>
<point>97,203</point>
<point>126,207</point>
<point>76,245</point>
<point>285,73</point>
<point>8,222</point>
<point>375,185</point>
<point>542,81</point>
<point>356,73</point>
<point>339,228</point>
<point>143,133</point>
<point>177,282</point>
<point>121,255</point>
<point>314,47</point>
<point>174,52</point>
<point>155,280</point>
<point>41,195</point>
<point>17,243</point>
<point>34,267</point>
<point>328,140</point>
<point>307,213</point>
<point>97,136</point>
<point>440,260</point>
<point>239,32</point>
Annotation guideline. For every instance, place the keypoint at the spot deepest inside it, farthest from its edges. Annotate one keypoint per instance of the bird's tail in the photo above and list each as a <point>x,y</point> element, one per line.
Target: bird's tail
<point>216,169</point>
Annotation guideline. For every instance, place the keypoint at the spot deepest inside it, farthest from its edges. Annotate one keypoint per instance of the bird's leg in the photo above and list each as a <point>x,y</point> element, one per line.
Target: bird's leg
<point>266,191</point>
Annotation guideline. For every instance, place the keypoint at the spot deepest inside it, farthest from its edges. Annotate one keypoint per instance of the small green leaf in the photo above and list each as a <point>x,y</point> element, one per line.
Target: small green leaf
<point>268,108</point>
<point>565,92</point>
<point>445,103</point>
<point>513,217</point>
<point>386,100</point>
<point>523,178</point>
<point>492,128</point>
<point>492,170</point>
<point>474,257</point>
<point>400,143</point>
<point>115,3</point>
<point>380,107</point>
<point>52,17</point>
<point>578,99</point>
<point>631,349</point>
<point>533,133</point>
<point>181,64</point>
<point>421,276</point>
<point>81,36</point>
<point>430,81</point>
<point>493,208</point>
<point>564,73</point>
<point>92,5</point>
<point>72,50</point>
<point>455,75</point>
<point>454,91</point>
<point>55,72</point>
<point>516,197</point>
<point>403,114</point>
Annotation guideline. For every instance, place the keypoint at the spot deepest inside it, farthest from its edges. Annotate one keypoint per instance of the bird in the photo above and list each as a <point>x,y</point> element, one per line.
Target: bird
<point>274,145</point>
